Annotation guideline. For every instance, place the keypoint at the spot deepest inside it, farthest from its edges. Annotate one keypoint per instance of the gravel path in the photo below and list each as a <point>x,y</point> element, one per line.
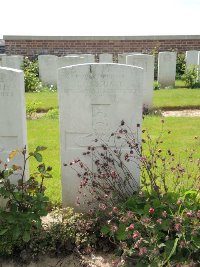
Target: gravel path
<point>181,113</point>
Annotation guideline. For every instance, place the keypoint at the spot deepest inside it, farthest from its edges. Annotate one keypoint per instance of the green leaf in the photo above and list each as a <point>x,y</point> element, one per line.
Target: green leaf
<point>16,233</point>
<point>196,240</point>
<point>41,168</point>
<point>2,232</point>
<point>7,172</point>
<point>40,148</point>
<point>172,251</point>
<point>121,232</point>
<point>26,236</point>
<point>105,229</point>
<point>38,157</point>
<point>156,203</point>
<point>139,264</point>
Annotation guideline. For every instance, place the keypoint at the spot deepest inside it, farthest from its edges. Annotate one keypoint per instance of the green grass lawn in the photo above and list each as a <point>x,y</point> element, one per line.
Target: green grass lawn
<point>178,98</point>
<point>45,100</point>
<point>46,132</point>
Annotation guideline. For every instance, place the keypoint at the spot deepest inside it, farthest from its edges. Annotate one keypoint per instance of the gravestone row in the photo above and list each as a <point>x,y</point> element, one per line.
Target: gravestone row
<point>93,99</point>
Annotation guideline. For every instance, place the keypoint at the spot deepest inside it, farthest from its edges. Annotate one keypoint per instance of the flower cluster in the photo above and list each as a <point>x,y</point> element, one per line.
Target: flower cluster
<point>148,229</point>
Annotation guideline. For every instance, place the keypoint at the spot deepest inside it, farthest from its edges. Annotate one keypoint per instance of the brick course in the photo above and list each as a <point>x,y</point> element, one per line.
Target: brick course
<point>33,46</point>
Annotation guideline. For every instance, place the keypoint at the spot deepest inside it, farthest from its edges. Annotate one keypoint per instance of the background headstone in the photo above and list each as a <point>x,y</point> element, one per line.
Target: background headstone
<point>191,58</point>
<point>14,62</point>
<point>13,131</point>
<point>93,99</point>
<point>48,69</point>
<point>105,58</point>
<point>72,60</point>
<point>147,63</point>
<point>89,58</point>
<point>167,69</point>
<point>122,57</point>
<point>1,56</point>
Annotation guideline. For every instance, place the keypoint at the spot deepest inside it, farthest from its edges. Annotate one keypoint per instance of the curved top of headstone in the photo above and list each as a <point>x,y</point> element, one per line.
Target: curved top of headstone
<point>101,73</point>
<point>10,69</point>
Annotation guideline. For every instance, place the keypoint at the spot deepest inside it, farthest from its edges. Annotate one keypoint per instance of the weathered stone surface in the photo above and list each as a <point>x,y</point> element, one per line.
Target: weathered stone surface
<point>122,57</point>
<point>191,58</point>
<point>14,62</point>
<point>48,69</point>
<point>89,58</point>
<point>93,99</point>
<point>74,60</point>
<point>167,69</point>
<point>105,58</point>
<point>147,63</point>
<point>13,133</point>
<point>1,55</point>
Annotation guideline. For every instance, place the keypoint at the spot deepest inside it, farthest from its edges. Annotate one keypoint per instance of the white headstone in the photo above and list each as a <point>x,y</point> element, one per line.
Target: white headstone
<point>167,69</point>
<point>93,99</point>
<point>191,58</point>
<point>1,56</point>
<point>70,60</point>
<point>14,62</point>
<point>147,63</point>
<point>122,57</point>
<point>48,69</point>
<point>89,58</point>
<point>105,58</point>
<point>13,133</point>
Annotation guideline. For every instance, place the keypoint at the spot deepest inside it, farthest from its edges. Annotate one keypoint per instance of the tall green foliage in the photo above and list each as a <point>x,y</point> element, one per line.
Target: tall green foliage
<point>31,75</point>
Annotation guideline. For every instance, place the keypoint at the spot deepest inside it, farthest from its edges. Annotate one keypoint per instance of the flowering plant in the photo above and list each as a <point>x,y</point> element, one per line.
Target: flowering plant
<point>148,230</point>
<point>156,223</point>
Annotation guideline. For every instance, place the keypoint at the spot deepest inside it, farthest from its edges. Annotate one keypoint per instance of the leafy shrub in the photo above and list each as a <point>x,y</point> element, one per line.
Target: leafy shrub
<point>157,86</point>
<point>180,65</point>
<point>65,231</point>
<point>158,231</point>
<point>52,114</point>
<point>190,77</point>
<point>31,75</point>
<point>31,108</point>
<point>157,224</point>
<point>25,201</point>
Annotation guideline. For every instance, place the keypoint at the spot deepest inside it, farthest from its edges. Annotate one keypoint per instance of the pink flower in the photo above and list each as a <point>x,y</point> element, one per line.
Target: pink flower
<point>178,227</point>
<point>179,202</point>
<point>130,214</point>
<point>159,221</point>
<point>102,206</point>
<point>131,227</point>
<point>145,220</point>
<point>138,243</point>
<point>126,156</point>
<point>142,251</point>
<point>114,228</point>
<point>198,214</point>
<point>113,174</point>
<point>194,232</point>
<point>136,235</point>
<point>151,210</point>
<point>189,214</point>
<point>164,214</point>
<point>115,210</point>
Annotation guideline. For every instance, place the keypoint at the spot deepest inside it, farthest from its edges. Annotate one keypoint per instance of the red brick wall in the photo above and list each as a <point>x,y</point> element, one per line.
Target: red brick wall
<point>32,48</point>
